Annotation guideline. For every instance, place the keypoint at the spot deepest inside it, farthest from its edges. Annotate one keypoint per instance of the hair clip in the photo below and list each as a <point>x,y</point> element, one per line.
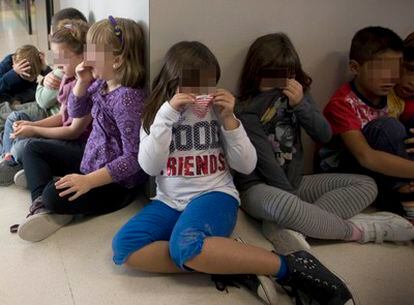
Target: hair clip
<point>117,29</point>
<point>68,26</point>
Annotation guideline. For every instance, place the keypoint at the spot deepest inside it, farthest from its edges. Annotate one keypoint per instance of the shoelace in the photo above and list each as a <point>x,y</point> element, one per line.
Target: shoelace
<point>294,292</point>
<point>34,208</point>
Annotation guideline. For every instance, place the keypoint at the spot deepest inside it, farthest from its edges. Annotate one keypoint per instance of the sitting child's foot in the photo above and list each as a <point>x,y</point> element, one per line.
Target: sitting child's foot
<point>284,241</point>
<point>262,286</point>
<point>383,226</point>
<point>309,281</point>
<point>20,179</point>
<point>41,223</point>
<point>8,168</point>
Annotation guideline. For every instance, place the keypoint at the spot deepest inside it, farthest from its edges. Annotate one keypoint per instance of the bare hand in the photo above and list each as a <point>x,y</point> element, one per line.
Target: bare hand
<point>22,68</point>
<point>180,100</point>
<point>294,92</point>
<point>84,73</point>
<point>224,103</point>
<point>20,123</point>
<point>23,131</point>
<point>73,183</point>
<point>51,81</point>
<point>406,189</point>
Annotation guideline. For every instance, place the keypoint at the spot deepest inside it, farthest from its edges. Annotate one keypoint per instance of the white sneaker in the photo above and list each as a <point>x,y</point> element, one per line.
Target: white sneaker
<point>20,179</point>
<point>41,225</point>
<point>284,241</point>
<point>383,226</point>
<point>261,285</point>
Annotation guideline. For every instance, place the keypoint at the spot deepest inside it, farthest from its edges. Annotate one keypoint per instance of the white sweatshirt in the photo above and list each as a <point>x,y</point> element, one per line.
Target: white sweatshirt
<point>190,155</point>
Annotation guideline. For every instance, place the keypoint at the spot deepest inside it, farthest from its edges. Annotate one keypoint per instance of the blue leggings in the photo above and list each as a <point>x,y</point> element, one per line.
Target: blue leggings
<point>211,214</point>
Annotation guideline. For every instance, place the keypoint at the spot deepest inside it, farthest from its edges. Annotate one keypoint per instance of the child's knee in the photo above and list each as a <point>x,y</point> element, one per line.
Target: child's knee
<point>388,126</point>
<point>385,133</point>
<point>124,244</point>
<point>51,199</point>
<point>186,245</point>
<point>18,148</point>
<point>30,148</point>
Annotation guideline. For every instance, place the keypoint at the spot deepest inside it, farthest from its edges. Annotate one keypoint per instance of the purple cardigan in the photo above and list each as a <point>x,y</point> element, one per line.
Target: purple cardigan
<point>114,139</point>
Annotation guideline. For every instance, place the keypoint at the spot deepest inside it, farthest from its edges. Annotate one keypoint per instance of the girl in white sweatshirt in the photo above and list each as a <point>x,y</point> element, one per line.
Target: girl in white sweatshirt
<point>189,140</point>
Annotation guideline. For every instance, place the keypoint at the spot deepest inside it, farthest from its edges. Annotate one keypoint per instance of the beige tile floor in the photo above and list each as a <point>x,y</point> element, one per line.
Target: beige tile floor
<point>12,33</point>
<point>74,267</point>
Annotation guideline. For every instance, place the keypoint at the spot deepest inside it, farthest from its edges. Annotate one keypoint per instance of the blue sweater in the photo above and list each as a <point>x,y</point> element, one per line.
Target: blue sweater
<point>12,86</point>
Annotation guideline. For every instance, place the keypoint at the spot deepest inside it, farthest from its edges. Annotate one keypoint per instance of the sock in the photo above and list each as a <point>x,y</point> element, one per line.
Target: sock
<point>356,233</point>
<point>283,270</point>
<point>8,157</point>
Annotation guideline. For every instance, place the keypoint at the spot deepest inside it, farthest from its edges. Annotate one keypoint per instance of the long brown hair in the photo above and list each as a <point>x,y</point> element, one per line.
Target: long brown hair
<point>409,48</point>
<point>182,55</point>
<point>271,51</point>
<point>130,46</point>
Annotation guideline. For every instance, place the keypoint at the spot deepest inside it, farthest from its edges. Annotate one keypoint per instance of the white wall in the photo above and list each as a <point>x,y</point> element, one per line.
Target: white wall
<point>321,30</point>
<point>95,10</point>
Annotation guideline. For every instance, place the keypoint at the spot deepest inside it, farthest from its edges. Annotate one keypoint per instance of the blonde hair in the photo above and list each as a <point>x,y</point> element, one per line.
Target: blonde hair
<point>32,55</point>
<point>127,40</point>
<point>72,33</point>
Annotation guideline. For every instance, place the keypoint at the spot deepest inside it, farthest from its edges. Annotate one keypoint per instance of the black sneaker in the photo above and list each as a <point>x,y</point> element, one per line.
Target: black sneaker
<point>310,282</point>
<point>262,286</point>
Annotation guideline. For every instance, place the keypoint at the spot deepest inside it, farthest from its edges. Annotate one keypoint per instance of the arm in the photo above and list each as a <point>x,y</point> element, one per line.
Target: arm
<point>52,121</point>
<point>45,97</point>
<point>9,79</point>
<point>12,78</point>
<point>79,106</point>
<point>71,132</point>
<point>6,65</point>
<point>240,153</point>
<point>375,160</point>
<point>48,89</point>
<point>77,184</point>
<point>312,120</point>
<point>154,148</point>
<point>267,166</point>
<point>79,100</point>
<point>127,116</point>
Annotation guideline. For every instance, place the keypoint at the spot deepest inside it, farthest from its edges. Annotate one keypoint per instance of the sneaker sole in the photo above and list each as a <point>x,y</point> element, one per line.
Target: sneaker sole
<point>390,217</point>
<point>41,226</point>
<point>20,179</point>
<point>267,290</point>
<point>284,241</point>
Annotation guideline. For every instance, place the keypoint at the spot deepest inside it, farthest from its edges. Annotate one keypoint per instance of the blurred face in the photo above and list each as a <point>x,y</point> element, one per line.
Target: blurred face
<point>102,61</point>
<point>377,77</point>
<point>65,59</point>
<point>405,86</point>
<point>198,81</point>
<point>274,79</point>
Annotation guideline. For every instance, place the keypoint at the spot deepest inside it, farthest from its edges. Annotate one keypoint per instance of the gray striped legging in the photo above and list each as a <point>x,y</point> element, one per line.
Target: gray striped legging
<point>321,207</point>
